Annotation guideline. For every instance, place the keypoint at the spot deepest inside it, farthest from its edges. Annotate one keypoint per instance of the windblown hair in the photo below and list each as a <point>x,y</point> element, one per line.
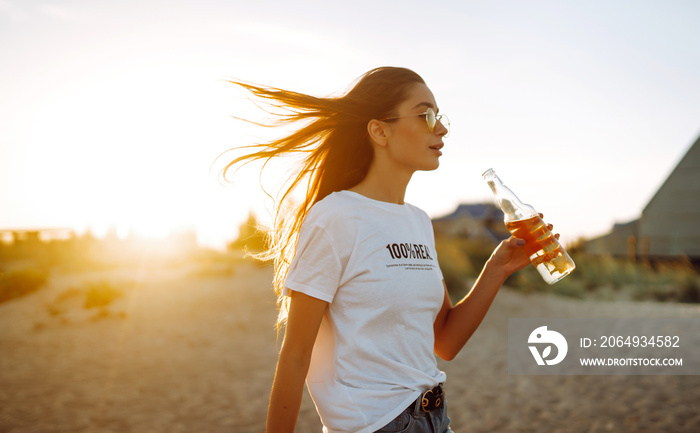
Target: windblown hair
<point>335,146</point>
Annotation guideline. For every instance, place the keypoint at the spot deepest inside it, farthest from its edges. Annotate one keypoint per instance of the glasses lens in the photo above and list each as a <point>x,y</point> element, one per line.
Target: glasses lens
<point>430,118</point>
<point>445,122</point>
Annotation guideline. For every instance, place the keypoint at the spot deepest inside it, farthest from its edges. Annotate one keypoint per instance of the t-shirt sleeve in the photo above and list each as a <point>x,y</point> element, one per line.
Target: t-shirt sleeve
<point>316,268</point>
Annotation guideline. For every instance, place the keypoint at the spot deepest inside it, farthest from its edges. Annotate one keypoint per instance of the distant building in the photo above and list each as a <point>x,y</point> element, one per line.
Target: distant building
<point>620,242</point>
<point>669,226</point>
<point>476,221</point>
<point>16,237</point>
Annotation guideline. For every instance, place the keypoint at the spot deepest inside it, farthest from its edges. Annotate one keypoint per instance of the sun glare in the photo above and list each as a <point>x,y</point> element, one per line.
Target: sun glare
<point>132,152</point>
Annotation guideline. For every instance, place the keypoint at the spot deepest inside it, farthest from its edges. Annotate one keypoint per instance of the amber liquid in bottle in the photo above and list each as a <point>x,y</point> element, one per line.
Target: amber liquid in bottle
<point>544,250</point>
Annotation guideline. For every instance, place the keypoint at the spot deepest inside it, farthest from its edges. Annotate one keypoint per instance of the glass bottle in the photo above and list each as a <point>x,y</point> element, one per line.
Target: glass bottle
<point>523,221</point>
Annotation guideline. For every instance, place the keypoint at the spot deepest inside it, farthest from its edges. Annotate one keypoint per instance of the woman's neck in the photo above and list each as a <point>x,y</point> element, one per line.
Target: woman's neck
<point>384,185</point>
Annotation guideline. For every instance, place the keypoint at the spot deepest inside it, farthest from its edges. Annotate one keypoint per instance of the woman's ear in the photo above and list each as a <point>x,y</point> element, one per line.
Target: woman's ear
<point>378,132</point>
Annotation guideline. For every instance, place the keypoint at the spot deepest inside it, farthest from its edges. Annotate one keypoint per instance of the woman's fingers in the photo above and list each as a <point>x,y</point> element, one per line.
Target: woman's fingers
<point>550,227</point>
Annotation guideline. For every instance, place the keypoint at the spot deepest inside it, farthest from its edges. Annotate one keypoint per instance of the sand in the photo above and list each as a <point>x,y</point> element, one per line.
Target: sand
<point>187,351</point>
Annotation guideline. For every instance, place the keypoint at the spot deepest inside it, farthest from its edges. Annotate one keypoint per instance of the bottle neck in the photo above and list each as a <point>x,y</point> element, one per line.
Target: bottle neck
<point>513,209</point>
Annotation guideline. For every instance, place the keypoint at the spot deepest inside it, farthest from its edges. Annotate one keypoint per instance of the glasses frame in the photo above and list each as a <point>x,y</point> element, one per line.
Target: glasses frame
<point>428,114</point>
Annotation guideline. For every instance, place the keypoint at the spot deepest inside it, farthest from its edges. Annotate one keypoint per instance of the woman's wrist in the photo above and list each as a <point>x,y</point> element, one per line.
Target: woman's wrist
<point>496,271</point>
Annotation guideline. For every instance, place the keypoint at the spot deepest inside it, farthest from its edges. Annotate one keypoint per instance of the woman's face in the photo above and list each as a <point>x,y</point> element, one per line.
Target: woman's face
<point>411,144</point>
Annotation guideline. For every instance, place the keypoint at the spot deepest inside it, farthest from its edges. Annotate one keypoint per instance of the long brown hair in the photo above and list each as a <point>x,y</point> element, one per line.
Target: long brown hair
<point>335,146</point>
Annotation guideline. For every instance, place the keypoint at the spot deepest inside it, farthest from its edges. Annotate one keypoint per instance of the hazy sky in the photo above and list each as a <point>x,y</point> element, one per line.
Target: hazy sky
<point>111,113</point>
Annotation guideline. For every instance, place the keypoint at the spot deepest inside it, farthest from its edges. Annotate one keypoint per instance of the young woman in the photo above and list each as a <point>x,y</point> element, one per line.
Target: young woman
<point>361,293</point>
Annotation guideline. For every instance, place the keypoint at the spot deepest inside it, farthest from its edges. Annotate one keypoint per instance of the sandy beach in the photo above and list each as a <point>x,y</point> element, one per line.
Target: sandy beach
<point>193,351</point>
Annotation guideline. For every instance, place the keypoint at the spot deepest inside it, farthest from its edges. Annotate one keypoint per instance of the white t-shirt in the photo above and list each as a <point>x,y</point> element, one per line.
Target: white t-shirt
<point>375,263</point>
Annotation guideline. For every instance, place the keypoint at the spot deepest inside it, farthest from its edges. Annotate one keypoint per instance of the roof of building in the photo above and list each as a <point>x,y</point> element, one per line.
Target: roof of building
<point>687,171</point>
<point>478,211</point>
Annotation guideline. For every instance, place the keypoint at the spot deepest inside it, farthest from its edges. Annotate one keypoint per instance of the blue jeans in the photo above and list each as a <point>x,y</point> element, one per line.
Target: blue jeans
<point>415,420</point>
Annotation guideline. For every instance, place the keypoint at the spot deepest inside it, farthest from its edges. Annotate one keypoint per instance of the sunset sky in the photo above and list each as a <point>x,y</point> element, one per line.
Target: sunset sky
<point>112,113</point>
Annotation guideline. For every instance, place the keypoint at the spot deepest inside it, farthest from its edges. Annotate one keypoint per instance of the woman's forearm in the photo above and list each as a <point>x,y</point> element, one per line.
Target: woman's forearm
<point>455,325</point>
<point>464,318</point>
<point>305,316</point>
<point>287,389</point>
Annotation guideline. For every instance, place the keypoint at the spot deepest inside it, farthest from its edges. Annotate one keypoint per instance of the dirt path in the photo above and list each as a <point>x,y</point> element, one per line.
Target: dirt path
<point>184,353</point>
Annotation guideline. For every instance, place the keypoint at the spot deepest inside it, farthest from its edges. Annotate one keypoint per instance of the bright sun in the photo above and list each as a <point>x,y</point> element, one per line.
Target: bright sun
<point>132,152</point>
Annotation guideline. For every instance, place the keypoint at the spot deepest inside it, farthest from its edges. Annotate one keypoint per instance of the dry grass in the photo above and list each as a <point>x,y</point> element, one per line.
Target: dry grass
<point>599,278</point>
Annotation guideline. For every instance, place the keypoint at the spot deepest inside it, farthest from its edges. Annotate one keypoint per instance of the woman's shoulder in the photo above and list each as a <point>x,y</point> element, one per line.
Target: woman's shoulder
<point>347,203</point>
<point>346,206</point>
<point>418,212</point>
<point>330,208</point>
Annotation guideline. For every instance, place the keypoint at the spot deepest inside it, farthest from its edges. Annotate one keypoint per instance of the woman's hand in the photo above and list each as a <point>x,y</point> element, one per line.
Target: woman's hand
<point>510,256</point>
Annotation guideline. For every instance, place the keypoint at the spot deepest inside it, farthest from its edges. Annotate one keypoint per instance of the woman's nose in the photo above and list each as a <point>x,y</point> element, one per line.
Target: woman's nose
<point>440,129</point>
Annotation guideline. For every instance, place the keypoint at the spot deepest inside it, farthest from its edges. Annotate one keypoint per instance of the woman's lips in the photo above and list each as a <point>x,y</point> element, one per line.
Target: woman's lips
<point>436,148</point>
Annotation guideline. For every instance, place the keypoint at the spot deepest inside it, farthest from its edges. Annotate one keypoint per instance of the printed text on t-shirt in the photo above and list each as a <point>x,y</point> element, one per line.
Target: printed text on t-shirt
<point>409,251</point>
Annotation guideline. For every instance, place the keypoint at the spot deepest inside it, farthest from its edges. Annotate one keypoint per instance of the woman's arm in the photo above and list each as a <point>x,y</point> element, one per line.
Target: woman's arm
<point>455,325</point>
<point>305,314</point>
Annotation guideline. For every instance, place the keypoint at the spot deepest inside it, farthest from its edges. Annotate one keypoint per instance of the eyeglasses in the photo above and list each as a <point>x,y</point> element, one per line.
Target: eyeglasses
<point>430,118</point>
